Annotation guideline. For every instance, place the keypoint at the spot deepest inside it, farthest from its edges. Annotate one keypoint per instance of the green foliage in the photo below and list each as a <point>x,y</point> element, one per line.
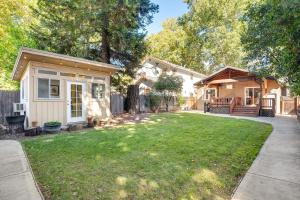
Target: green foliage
<point>15,18</point>
<point>181,100</point>
<point>168,86</point>
<point>155,100</point>
<point>172,44</point>
<point>52,123</point>
<point>109,31</point>
<point>173,156</point>
<point>273,40</point>
<point>120,82</point>
<point>204,39</point>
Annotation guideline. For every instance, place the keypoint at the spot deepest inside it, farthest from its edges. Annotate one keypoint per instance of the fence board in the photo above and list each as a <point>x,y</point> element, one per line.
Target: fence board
<point>7,98</point>
<point>117,104</point>
<point>289,105</point>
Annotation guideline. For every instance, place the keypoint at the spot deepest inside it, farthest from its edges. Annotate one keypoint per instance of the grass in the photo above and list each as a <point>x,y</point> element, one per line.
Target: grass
<point>173,156</point>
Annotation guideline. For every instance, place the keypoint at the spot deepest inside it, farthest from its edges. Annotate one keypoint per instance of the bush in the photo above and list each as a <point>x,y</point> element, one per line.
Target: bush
<point>154,101</point>
<point>181,100</point>
<point>52,123</point>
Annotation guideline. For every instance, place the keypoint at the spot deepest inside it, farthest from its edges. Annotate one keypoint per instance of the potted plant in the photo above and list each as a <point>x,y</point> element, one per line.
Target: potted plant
<point>154,102</point>
<point>53,126</point>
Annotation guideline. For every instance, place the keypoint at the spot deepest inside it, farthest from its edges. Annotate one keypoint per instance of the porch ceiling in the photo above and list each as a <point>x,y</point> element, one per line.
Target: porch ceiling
<point>222,81</point>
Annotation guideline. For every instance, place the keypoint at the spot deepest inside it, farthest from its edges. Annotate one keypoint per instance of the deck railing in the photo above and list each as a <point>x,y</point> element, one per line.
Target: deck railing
<point>221,101</point>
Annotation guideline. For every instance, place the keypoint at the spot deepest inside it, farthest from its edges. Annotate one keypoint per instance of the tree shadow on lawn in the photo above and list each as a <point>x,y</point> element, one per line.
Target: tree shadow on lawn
<point>172,156</point>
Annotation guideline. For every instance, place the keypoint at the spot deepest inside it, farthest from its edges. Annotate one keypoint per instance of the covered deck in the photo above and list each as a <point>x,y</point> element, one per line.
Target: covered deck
<point>237,92</point>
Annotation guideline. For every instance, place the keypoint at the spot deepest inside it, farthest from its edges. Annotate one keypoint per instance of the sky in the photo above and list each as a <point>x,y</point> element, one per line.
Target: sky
<point>167,9</point>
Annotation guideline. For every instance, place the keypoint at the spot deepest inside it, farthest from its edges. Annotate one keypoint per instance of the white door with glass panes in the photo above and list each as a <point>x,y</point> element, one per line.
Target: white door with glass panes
<point>75,101</point>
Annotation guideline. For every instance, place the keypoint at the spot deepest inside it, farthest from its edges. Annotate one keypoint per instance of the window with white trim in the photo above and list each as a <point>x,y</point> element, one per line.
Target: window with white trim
<point>98,90</point>
<point>210,93</point>
<point>48,88</point>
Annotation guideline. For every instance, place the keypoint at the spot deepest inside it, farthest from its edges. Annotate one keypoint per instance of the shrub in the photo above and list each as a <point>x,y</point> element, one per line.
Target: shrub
<point>154,101</point>
<point>181,100</point>
<point>52,123</point>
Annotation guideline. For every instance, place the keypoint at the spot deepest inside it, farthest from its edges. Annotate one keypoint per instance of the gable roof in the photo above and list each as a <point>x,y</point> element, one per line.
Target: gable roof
<point>220,71</point>
<point>28,54</point>
<point>172,65</point>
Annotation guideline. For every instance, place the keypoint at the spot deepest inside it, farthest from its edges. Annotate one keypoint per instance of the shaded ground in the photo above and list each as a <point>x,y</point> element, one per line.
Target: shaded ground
<point>172,156</point>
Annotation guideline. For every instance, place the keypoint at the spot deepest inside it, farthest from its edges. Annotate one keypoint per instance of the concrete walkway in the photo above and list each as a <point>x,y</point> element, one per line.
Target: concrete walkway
<point>275,173</point>
<point>16,179</point>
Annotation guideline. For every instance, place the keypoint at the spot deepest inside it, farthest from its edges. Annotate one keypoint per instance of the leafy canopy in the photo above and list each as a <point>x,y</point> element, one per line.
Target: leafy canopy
<point>272,39</point>
<point>204,39</point>
<point>15,18</point>
<point>168,86</point>
<point>104,30</point>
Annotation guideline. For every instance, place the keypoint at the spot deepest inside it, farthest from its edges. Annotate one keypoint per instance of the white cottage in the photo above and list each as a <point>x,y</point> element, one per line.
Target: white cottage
<point>152,68</point>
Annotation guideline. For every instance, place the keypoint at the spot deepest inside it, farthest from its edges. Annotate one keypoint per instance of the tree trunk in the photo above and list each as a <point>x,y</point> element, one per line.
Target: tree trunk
<point>133,99</point>
<point>105,43</point>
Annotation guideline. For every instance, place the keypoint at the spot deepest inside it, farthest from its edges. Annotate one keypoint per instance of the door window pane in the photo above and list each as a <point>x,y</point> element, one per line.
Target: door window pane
<point>76,100</point>
<point>43,88</point>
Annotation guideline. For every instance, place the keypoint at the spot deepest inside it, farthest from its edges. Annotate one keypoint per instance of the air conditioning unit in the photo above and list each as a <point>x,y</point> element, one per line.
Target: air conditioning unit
<point>19,107</point>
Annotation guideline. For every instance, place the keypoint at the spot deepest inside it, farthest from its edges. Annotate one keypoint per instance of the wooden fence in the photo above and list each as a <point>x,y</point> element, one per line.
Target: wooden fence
<point>289,105</point>
<point>7,98</point>
<point>116,103</point>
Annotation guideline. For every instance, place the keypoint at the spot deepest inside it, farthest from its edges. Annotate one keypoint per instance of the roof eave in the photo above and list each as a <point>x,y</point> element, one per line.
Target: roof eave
<point>36,52</point>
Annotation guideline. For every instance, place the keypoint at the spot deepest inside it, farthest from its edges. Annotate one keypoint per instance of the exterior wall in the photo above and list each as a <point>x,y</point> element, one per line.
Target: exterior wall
<point>145,86</point>
<point>44,110</point>
<point>152,72</point>
<point>238,89</point>
<point>271,89</point>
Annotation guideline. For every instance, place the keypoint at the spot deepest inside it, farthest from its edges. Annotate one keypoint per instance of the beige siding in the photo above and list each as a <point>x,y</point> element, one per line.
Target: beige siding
<point>42,110</point>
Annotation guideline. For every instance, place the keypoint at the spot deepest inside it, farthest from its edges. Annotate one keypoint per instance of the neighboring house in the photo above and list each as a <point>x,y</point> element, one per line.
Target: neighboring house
<point>62,88</point>
<point>237,91</point>
<point>152,68</point>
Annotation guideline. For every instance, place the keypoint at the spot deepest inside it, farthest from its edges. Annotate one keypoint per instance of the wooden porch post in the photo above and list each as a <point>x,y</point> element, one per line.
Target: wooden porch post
<point>260,96</point>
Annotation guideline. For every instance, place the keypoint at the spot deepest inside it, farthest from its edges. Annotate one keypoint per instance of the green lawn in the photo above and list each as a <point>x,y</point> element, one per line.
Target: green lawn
<point>173,156</point>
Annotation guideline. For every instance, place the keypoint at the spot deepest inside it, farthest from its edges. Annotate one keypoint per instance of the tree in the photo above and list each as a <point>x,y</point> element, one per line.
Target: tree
<point>273,40</point>
<point>217,24</point>
<point>173,44</point>
<point>109,31</point>
<point>204,39</point>
<point>168,86</point>
<point>15,18</point>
